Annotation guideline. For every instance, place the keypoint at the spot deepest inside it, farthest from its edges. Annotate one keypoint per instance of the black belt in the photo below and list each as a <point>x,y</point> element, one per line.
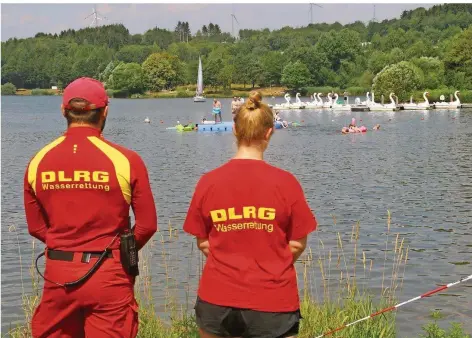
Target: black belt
<point>68,256</point>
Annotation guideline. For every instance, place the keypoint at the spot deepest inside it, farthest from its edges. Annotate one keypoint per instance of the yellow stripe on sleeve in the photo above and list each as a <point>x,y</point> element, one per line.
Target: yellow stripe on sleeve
<point>121,164</point>
<point>33,166</point>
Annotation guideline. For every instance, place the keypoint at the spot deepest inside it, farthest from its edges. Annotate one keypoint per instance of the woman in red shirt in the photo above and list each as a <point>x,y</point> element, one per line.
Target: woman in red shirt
<point>251,221</point>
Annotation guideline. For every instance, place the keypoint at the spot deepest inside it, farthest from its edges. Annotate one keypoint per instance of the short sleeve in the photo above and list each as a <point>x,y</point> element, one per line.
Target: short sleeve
<point>302,220</point>
<point>195,221</point>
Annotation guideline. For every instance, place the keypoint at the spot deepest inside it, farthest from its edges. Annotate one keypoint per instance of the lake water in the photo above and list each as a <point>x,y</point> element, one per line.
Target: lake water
<point>418,166</point>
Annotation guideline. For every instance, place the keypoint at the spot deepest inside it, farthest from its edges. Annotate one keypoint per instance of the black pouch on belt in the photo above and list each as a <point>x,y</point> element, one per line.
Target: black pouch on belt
<point>129,253</point>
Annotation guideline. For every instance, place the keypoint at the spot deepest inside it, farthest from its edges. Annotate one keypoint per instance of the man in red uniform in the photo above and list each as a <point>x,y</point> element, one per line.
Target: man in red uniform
<point>77,194</point>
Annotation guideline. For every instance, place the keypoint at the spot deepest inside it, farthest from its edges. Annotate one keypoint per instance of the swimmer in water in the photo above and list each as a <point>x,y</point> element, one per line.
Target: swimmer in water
<point>277,118</point>
<point>376,127</point>
<point>353,128</point>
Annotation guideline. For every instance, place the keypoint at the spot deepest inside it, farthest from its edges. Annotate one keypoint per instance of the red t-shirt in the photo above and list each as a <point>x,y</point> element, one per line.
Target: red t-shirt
<point>78,191</point>
<point>249,211</point>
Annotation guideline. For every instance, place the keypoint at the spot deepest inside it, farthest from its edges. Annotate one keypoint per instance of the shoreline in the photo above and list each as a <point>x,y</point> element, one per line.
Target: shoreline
<point>275,92</point>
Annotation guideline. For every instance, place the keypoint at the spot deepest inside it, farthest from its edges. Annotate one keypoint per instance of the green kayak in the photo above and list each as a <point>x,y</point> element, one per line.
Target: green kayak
<point>188,127</point>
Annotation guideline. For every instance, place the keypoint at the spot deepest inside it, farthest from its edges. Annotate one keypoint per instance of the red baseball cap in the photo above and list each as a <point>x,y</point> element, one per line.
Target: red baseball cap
<point>88,89</point>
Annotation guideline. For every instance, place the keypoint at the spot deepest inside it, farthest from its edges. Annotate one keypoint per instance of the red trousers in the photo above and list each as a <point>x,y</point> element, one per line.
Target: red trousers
<point>103,306</point>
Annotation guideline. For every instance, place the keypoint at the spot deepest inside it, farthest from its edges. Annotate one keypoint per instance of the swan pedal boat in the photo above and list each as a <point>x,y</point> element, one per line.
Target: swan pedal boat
<point>449,105</point>
<point>288,105</point>
<point>317,102</point>
<point>340,107</point>
<point>374,106</point>
<point>418,106</point>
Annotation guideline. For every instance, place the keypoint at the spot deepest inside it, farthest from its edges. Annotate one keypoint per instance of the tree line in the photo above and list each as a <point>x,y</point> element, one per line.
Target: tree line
<point>430,47</point>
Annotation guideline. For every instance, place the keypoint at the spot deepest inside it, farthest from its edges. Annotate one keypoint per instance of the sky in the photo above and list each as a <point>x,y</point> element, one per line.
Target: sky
<point>25,20</point>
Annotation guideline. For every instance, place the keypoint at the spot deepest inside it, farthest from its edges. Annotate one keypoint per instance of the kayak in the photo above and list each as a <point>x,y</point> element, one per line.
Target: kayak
<point>189,127</point>
<point>179,127</point>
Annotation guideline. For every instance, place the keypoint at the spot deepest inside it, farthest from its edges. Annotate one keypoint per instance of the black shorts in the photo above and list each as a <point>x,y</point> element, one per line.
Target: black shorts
<point>226,321</point>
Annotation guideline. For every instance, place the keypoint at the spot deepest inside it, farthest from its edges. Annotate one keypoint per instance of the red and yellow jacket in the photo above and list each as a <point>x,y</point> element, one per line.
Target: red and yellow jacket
<point>78,191</point>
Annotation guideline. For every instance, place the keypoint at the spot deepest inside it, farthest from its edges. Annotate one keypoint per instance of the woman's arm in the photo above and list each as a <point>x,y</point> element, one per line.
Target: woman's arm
<point>302,220</point>
<point>204,245</point>
<point>297,247</point>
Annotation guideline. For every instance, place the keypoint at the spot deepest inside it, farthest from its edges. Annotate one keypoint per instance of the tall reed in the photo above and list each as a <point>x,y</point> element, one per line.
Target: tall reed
<point>329,280</point>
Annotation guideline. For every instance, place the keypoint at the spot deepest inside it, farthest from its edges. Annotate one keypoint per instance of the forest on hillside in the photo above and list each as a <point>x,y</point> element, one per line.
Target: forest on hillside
<point>424,48</point>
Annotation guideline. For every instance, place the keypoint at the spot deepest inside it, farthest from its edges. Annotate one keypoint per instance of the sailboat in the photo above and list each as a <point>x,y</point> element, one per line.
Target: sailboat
<point>199,92</point>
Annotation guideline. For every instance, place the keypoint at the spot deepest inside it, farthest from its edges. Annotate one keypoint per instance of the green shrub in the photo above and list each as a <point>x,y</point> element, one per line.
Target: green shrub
<point>8,89</point>
<point>357,91</point>
<point>433,330</point>
<point>324,90</point>
<point>227,92</point>
<point>121,94</point>
<point>401,78</point>
<point>466,96</point>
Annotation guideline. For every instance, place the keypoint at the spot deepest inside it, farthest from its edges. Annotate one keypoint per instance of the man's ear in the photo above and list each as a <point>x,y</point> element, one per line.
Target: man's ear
<point>105,112</point>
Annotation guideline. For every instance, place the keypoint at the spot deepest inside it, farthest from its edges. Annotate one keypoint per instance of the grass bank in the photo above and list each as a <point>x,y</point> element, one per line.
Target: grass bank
<point>37,92</point>
<point>332,289</point>
<point>210,93</point>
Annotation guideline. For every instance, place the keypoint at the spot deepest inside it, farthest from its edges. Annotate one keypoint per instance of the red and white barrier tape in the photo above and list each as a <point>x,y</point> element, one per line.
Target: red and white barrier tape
<point>427,294</point>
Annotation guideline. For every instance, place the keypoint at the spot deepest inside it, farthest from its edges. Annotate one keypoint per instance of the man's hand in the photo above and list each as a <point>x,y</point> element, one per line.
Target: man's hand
<point>204,245</point>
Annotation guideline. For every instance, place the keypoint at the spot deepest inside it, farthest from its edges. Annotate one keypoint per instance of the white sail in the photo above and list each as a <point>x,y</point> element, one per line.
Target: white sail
<point>200,78</point>
<point>199,92</point>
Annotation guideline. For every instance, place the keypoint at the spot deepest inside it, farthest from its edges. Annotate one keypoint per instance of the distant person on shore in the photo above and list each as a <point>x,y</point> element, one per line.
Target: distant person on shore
<point>345,97</point>
<point>78,191</point>
<point>216,109</point>
<point>234,106</point>
<point>252,232</point>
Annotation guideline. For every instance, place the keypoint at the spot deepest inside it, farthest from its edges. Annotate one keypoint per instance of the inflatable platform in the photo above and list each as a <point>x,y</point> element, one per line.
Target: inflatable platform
<point>219,126</point>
